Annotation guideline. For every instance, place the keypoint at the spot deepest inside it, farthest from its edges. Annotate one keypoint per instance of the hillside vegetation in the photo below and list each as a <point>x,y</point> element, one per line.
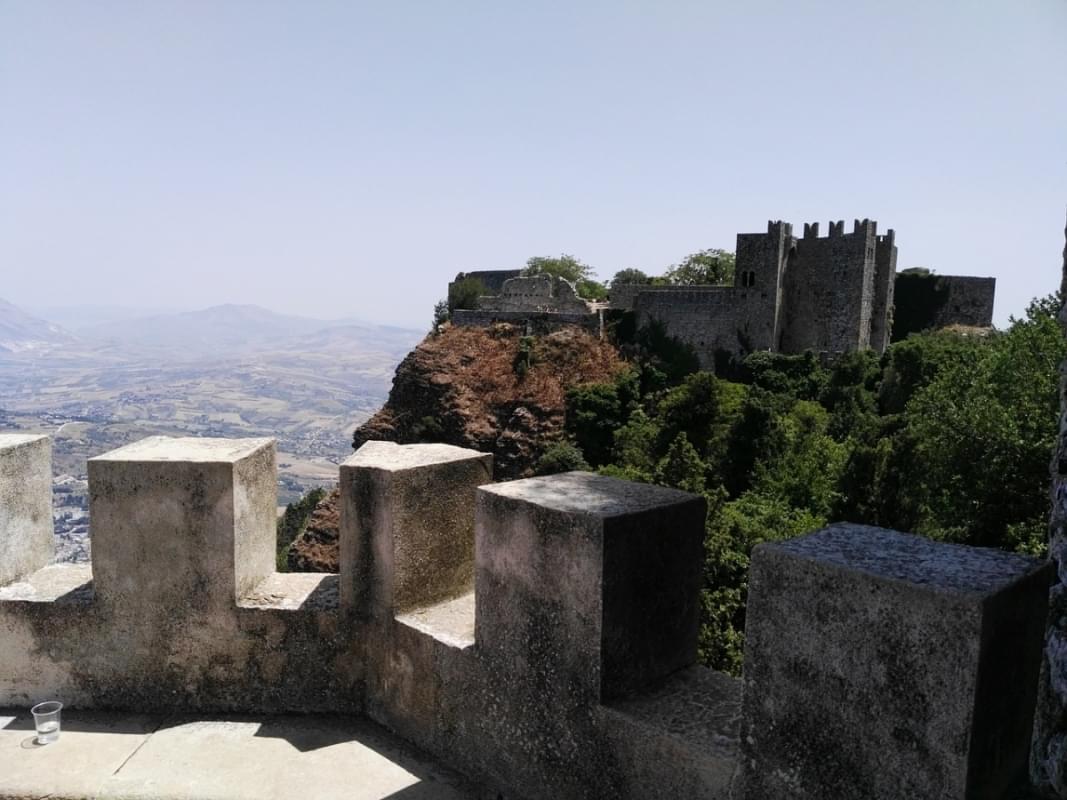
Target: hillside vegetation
<point>948,435</point>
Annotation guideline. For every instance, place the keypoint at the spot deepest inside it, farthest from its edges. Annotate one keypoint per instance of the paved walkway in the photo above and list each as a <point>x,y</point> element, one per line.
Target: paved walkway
<point>226,758</point>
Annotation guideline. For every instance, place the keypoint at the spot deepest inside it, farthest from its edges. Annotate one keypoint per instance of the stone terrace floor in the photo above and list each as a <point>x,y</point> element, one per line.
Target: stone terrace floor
<point>113,756</point>
<point>100,755</point>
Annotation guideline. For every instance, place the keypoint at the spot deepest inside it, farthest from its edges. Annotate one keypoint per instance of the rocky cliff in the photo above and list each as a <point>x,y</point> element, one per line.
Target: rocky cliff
<point>490,389</point>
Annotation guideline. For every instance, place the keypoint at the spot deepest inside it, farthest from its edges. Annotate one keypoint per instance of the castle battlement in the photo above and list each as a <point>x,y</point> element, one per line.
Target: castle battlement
<point>538,635</point>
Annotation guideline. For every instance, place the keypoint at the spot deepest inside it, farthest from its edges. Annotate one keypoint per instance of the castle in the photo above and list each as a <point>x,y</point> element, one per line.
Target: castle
<point>831,294</point>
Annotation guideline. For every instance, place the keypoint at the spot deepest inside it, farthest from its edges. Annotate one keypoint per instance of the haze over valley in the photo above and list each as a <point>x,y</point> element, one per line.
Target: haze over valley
<point>234,371</point>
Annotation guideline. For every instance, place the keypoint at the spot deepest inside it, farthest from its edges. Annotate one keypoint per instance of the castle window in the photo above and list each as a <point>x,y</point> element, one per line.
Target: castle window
<point>748,279</point>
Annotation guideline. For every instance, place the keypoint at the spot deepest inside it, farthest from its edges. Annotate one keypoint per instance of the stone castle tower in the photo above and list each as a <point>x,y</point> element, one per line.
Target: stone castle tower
<point>825,294</point>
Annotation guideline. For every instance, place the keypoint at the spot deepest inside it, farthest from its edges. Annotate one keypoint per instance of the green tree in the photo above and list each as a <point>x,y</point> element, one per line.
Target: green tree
<point>560,457</point>
<point>625,277</point>
<point>465,293</point>
<point>571,269</point>
<point>712,266</point>
<point>682,468</point>
<point>441,315</point>
<point>733,529</point>
<point>594,411</point>
<point>635,447</point>
<point>914,362</point>
<point>984,429</point>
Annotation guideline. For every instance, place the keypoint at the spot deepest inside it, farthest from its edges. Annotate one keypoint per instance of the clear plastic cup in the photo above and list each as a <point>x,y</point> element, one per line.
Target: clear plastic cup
<point>46,721</point>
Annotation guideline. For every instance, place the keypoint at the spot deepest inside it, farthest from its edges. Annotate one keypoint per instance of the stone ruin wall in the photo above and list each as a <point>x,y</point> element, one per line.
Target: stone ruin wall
<point>534,323</point>
<point>540,304</point>
<point>536,294</point>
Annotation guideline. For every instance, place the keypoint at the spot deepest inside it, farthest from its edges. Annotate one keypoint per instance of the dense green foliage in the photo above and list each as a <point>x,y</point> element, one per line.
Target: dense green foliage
<point>625,277</point>
<point>560,457</point>
<point>571,269</point>
<point>945,435</point>
<point>292,523</point>
<point>712,266</point>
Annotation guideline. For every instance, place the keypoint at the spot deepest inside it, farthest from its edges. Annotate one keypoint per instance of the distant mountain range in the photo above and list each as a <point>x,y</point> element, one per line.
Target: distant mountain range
<point>21,332</point>
<point>219,331</point>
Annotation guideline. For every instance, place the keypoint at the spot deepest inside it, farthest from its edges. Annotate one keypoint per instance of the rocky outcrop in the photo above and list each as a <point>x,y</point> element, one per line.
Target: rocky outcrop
<point>490,389</point>
<point>315,550</point>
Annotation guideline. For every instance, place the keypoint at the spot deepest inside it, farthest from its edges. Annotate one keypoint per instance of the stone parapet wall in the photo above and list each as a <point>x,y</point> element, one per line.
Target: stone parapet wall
<point>539,635</point>
<point>181,607</point>
<point>534,322</point>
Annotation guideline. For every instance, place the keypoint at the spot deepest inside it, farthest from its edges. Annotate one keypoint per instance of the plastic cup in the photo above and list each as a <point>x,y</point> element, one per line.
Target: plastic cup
<point>46,721</point>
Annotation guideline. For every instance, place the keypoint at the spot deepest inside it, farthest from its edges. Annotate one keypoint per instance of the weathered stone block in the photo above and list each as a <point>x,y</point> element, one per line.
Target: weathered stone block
<point>883,665</point>
<point>589,581</point>
<point>25,505</point>
<point>407,525</point>
<point>183,522</point>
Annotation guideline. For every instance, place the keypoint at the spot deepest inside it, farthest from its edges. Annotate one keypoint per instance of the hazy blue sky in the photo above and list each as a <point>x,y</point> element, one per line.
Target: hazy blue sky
<point>344,158</point>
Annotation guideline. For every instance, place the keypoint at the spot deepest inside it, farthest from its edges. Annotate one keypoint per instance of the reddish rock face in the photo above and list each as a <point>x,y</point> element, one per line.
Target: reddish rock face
<point>490,389</point>
<point>315,550</point>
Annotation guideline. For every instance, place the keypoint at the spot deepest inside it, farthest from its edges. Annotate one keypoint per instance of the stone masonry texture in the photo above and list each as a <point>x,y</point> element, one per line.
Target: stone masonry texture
<point>881,665</point>
<point>25,505</point>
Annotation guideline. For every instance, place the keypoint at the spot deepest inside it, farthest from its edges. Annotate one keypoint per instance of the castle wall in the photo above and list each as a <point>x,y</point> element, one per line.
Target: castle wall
<point>710,318</point>
<point>925,301</point>
<point>969,302</point>
<point>624,296</point>
<point>535,322</point>
<point>538,635</point>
